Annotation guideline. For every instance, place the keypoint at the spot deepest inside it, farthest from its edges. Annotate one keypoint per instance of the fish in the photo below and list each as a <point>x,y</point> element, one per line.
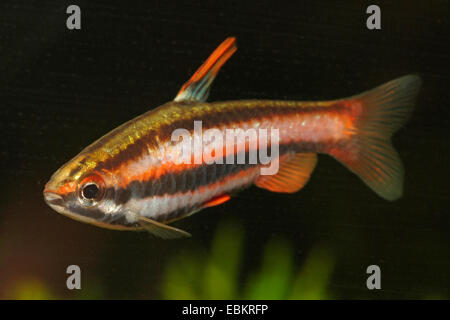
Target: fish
<point>130,178</point>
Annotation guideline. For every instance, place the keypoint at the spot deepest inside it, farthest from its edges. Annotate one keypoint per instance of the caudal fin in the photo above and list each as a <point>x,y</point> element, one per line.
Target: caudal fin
<point>370,153</point>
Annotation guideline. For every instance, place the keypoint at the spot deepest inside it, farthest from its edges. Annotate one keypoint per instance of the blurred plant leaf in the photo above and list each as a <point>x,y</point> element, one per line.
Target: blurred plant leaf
<point>221,270</point>
<point>182,276</point>
<point>31,289</point>
<point>272,281</point>
<point>311,282</point>
<point>216,276</point>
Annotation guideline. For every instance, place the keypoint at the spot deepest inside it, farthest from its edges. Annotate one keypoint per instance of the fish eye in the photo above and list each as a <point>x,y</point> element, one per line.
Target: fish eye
<point>91,191</point>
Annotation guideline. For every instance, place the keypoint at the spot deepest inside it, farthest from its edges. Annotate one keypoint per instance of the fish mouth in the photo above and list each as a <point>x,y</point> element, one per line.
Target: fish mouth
<point>52,198</point>
<point>56,202</point>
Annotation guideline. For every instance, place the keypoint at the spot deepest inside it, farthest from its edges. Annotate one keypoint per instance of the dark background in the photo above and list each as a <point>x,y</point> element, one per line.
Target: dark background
<point>61,89</point>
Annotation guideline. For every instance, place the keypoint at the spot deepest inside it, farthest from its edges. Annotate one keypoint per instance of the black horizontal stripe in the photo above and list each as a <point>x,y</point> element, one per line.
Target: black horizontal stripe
<point>203,175</point>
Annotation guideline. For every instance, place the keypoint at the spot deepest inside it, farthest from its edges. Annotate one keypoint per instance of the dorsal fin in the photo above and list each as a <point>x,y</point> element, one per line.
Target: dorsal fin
<point>197,87</point>
<point>293,174</point>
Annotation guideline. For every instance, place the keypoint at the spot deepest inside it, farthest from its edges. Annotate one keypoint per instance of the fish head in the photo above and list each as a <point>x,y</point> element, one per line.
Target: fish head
<point>82,192</point>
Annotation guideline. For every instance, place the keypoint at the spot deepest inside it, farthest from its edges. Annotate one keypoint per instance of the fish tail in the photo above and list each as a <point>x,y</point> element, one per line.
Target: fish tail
<point>377,114</point>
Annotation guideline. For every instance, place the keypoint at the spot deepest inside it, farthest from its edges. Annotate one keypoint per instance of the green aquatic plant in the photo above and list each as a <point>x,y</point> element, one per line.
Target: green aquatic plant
<point>275,275</point>
<point>214,276</point>
<point>219,276</point>
<point>216,273</point>
<point>31,289</point>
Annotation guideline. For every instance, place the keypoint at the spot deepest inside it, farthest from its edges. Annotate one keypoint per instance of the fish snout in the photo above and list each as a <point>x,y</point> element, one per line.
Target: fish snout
<point>52,198</point>
<point>55,194</point>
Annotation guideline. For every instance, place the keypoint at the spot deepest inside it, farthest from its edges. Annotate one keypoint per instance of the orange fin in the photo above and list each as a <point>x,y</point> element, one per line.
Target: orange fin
<point>216,201</point>
<point>293,174</point>
<point>369,153</point>
<point>197,87</point>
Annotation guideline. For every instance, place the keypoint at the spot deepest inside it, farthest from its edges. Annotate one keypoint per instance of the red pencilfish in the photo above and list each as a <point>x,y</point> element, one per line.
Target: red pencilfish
<point>132,179</point>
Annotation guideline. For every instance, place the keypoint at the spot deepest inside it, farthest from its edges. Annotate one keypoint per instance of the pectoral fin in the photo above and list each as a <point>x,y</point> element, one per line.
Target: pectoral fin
<point>162,230</point>
<point>197,87</point>
<point>293,174</point>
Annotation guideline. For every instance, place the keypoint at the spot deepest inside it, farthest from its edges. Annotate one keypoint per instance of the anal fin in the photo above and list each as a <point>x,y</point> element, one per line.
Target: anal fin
<point>293,173</point>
